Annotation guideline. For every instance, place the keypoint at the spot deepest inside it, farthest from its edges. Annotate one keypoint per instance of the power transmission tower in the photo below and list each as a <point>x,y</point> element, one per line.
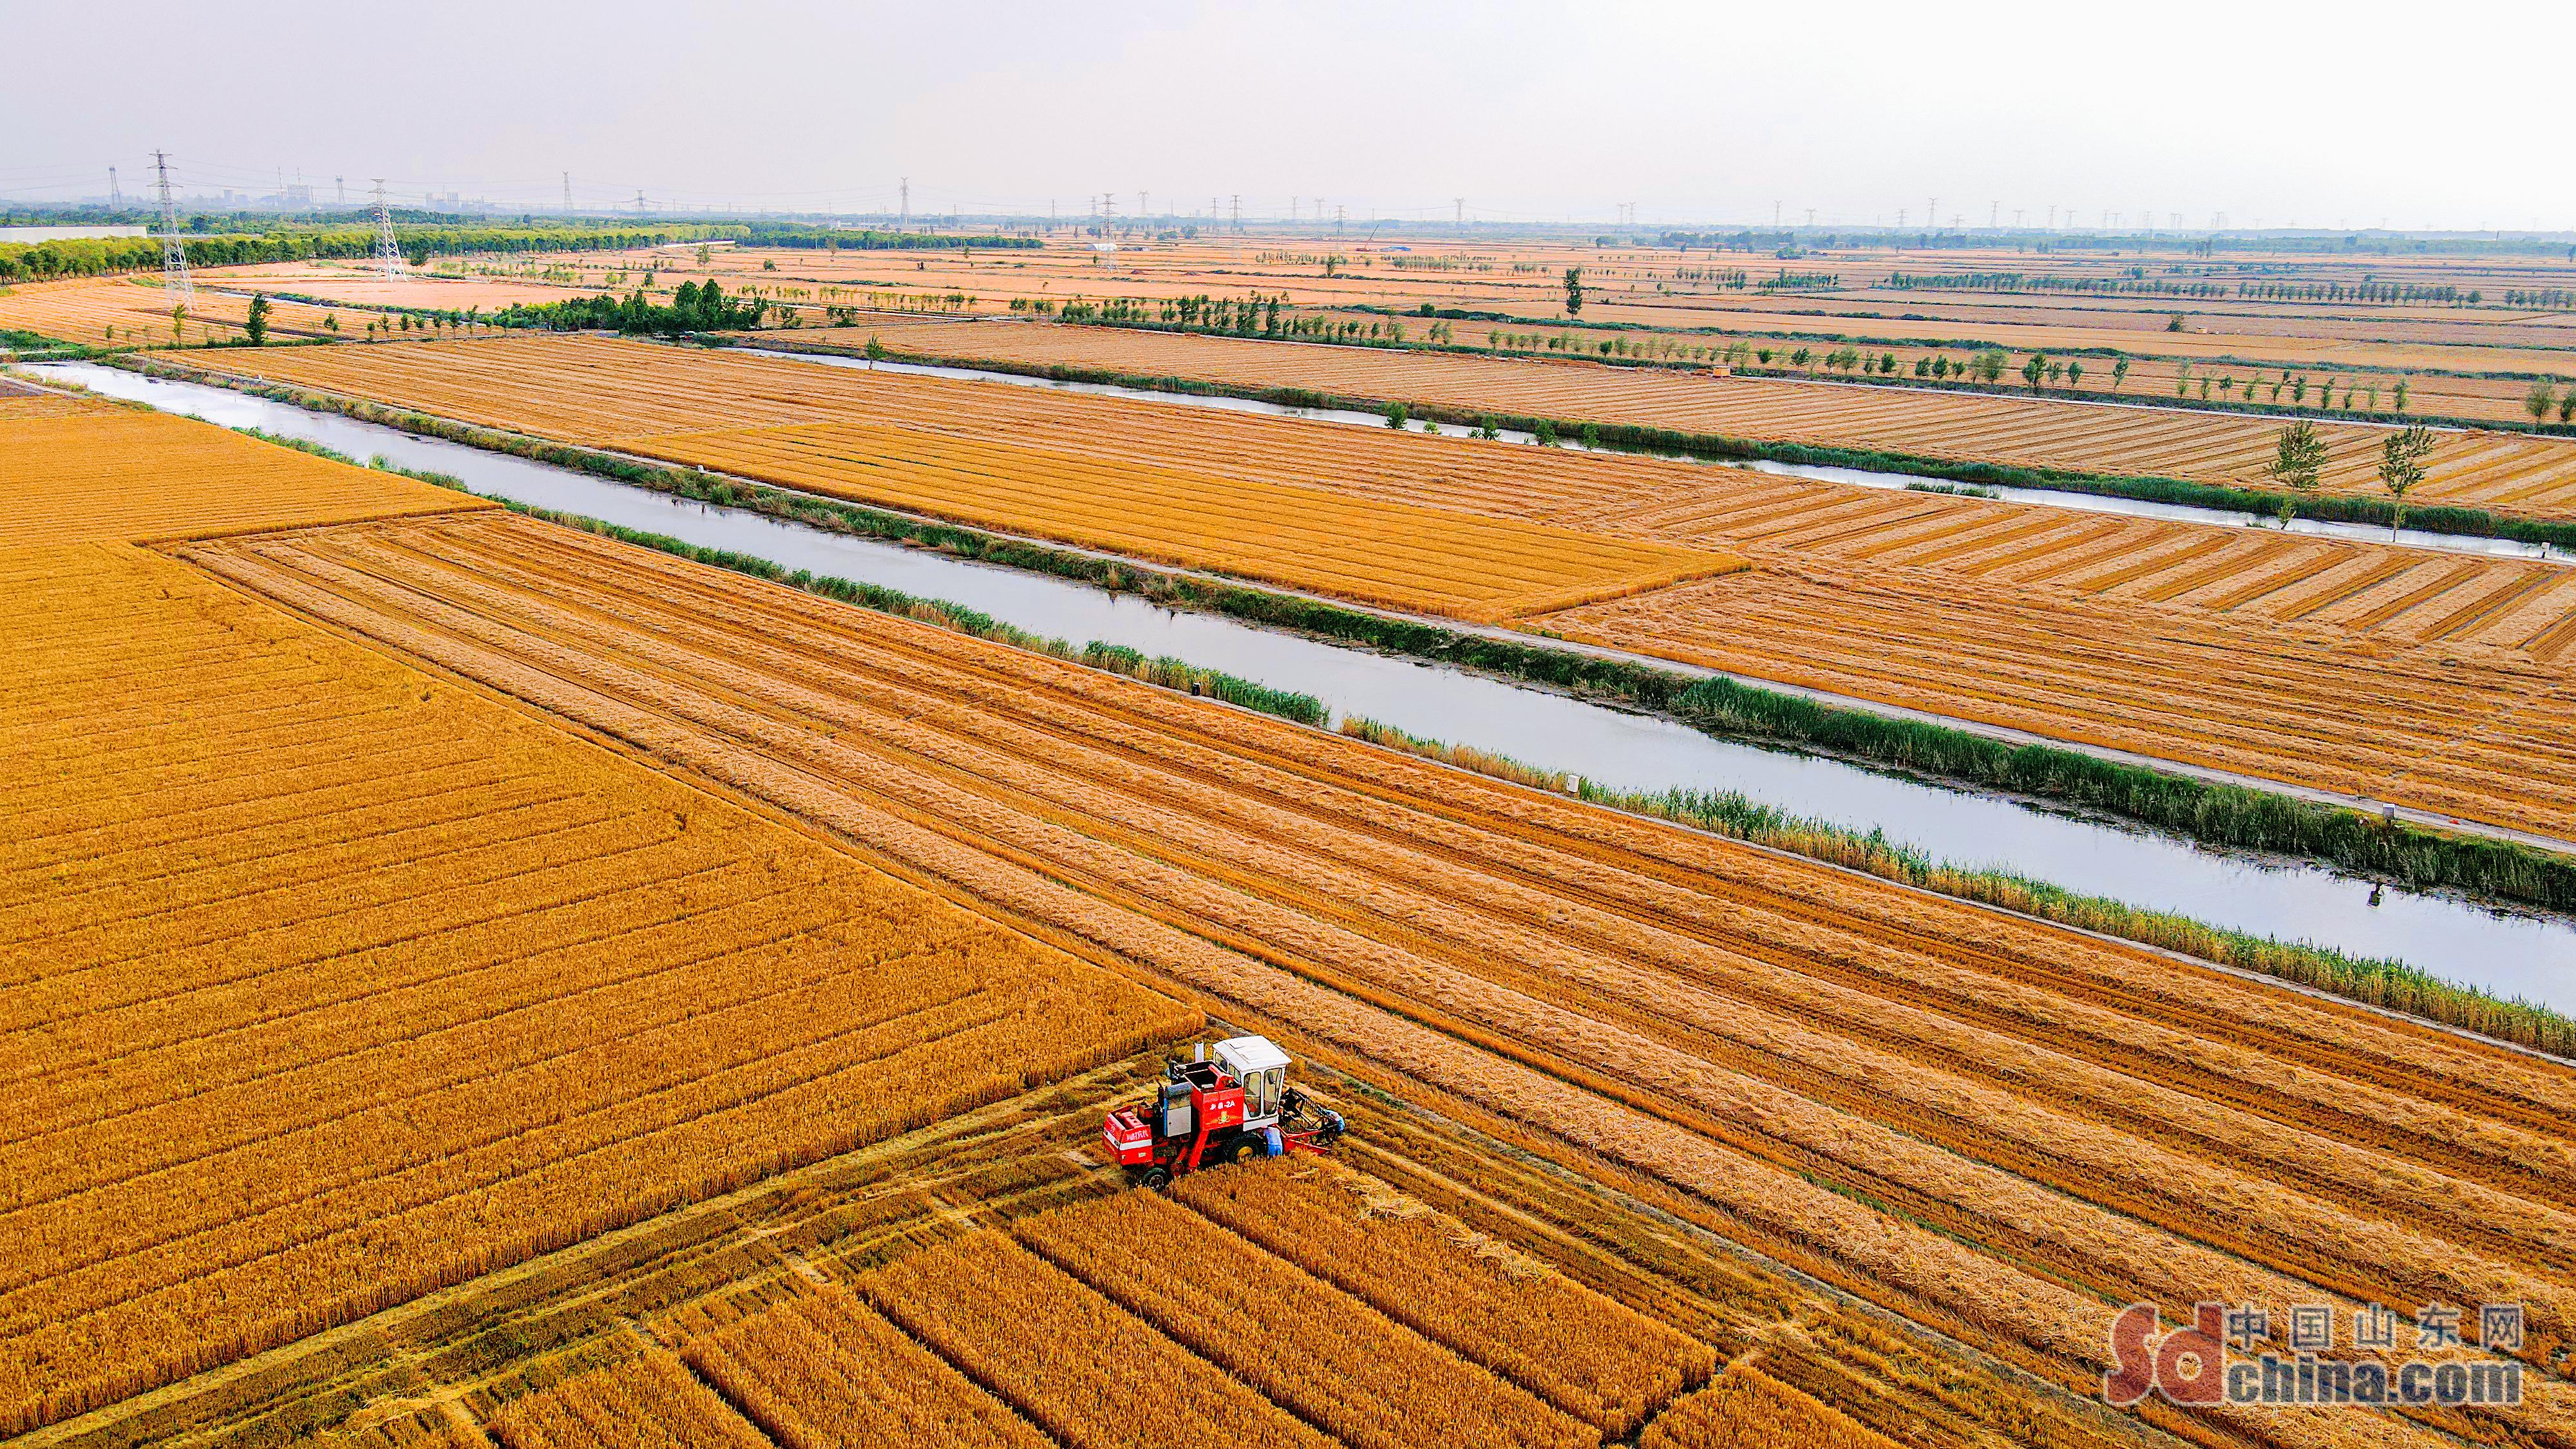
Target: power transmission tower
<point>1337,221</point>
<point>1144,205</point>
<point>1460,203</point>
<point>1811,218</point>
<point>1994,214</point>
<point>1238,213</point>
<point>340,190</point>
<point>639,202</point>
<point>115,194</point>
<point>567,180</point>
<point>1932,213</point>
<point>906,189</point>
<point>389,257</point>
<point>174,255</point>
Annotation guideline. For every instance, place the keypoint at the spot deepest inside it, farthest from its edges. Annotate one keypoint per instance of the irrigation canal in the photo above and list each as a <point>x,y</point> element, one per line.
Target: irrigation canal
<point>1859,477</point>
<point>2510,954</point>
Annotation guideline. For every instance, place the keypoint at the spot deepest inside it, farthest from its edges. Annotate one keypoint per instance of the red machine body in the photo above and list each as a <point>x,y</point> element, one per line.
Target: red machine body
<point>1232,1104</point>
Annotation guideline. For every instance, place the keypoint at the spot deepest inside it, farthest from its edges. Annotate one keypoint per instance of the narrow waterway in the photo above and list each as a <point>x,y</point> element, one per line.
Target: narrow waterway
<point>1859,477</point>
<point>2532,957</point>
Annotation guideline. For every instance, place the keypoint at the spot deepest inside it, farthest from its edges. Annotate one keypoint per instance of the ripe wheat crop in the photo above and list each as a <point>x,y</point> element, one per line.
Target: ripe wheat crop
<point>645,1403</point>
<point>829,1371</point>
<point>77,470</point>
<point>1831,1068</point>
<point>1746,1409</point>
<point>1072,1361</point>
<point>123,312</point>
<point>1591,1357</point>
<point>1333,1360</point>
<point>832,432</point>
<point>2350,667</point>
<point>434,988</point>
<point>2501,471</point>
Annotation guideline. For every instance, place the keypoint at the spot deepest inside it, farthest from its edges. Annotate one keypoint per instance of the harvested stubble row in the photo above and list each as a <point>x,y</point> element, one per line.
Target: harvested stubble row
<point>1747,1409</point>
<point>829,1372</point>
<point>2481,738</point>
<point>86,310</point>
<point>1326,1357</point>
<point>1086,1370</point>
<point>649,1402</point>
<point>78,469</point>
<point>431,988</point>
<point>2504,471</point>
<point>1802,1051</point>
<point>1578,1350</point>
<point>1381,551</point>
<point>2389,674</point>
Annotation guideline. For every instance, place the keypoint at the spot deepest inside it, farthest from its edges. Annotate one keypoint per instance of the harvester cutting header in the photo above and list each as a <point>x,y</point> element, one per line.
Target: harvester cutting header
<point>1232,1108</point>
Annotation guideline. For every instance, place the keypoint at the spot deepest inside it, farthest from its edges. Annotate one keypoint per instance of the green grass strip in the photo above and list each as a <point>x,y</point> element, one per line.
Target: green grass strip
<point>2383,983</point>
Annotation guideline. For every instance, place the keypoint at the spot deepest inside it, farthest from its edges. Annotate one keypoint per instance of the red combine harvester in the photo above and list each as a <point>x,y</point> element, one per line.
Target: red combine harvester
<point>1234,1108</point>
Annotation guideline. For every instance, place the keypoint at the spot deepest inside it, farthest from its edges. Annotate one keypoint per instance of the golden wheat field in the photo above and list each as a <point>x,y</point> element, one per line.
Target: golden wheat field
<point>2512,473</point>
<point>287,1045</point>
<point>433,988</point>
<point>2423,679</point>
<point>76,469</point>
<point>811,433</point>
<point>135,311</point>
<point>1988,1126</point>
<point>761,1296</point>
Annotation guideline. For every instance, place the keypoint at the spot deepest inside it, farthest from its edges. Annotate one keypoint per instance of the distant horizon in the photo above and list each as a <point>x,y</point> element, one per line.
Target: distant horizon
<point>1512,112</point>
<point>1642,232</point>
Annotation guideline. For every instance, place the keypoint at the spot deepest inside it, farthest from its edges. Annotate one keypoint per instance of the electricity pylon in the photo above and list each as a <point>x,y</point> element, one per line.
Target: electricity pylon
<point>389,257</point>
<point>174,254</point>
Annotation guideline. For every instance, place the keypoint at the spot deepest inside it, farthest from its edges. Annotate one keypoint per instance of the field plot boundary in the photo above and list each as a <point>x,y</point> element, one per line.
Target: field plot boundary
<point>1050,935</point>
<point>654,473</point>
<point>2462,517</point>
<point>430,425</point>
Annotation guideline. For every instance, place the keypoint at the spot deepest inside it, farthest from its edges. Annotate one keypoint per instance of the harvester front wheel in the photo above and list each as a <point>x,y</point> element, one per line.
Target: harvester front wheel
<point>1155,1178</point>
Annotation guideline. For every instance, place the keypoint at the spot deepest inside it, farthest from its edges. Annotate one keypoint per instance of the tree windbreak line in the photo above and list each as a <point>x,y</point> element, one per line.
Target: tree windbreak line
<point>694,309</point>
<point>100,256</point>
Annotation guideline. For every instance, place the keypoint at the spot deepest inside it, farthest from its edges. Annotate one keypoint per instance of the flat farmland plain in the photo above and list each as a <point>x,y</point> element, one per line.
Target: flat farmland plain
<point>821,431</point>
<point>2508,472</point>
<point>2418,678</point>
<point>77,469</point>
<point>136,311</point>
<point>1987,1125</point>
<point>328,983</point>
<point>1554,1287</point>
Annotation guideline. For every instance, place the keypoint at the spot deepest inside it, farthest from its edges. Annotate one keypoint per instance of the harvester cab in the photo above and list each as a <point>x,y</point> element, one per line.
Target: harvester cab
<point>1231,1103</point>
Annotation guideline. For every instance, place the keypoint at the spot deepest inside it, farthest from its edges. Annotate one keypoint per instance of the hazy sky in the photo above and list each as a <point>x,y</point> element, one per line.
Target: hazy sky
<point>2351,114</point>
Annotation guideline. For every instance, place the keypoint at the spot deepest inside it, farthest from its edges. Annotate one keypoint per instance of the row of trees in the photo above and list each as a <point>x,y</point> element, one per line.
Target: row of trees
<point>2023,281</point>
<point>694,308</point>
<point>2544,399</point>
<point>103,256</point>
<point>2299,462</point>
